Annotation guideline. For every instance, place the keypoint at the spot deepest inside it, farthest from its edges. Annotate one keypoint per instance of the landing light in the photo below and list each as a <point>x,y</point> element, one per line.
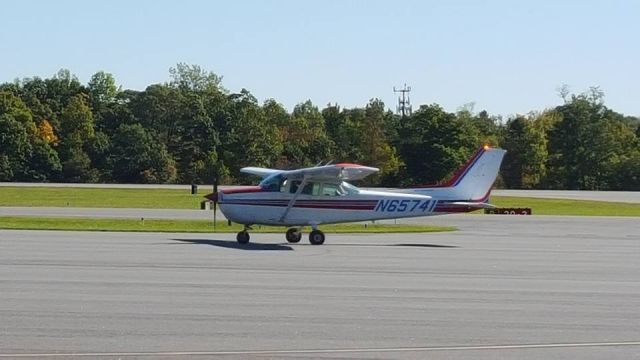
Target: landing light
<point>486,147</point>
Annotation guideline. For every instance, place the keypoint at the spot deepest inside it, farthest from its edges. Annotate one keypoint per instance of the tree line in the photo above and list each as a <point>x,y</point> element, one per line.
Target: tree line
<point>191,129</point>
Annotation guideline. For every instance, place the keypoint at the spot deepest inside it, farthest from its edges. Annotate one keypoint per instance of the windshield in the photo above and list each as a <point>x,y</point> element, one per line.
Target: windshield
<point>348,189</point>
<point>272,182</point>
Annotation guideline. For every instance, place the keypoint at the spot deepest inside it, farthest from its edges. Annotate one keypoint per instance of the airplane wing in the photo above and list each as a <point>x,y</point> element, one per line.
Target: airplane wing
<point>342,171</point>
<point>475,205</point>
<point>262,172</point>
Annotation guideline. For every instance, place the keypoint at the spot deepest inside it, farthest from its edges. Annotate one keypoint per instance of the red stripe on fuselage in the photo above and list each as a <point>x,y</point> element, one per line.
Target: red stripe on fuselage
<point>308,206</point>
<point>242,190</point>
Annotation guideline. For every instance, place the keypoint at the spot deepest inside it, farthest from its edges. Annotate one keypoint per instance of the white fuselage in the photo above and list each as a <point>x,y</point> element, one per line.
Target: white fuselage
<point>275,208</point>
<point>316,196</point>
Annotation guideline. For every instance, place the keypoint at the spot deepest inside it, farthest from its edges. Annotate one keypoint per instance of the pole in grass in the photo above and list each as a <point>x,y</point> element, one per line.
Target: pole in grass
<point>215,196</point>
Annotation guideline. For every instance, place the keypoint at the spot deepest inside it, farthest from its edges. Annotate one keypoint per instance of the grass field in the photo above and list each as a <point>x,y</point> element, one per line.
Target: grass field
<point>195,226</point>
<point>101,198</point>
<point>182,199</point>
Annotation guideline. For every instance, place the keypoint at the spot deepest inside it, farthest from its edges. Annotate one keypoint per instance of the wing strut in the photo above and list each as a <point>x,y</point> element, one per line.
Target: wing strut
<point>294,198</point>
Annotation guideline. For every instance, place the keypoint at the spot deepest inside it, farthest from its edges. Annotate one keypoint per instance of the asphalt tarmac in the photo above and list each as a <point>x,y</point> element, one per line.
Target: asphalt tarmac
<point>502,287</point>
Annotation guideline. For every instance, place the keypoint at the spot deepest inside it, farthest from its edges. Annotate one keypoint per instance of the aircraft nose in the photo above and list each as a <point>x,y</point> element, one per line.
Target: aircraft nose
<point>213,196</point>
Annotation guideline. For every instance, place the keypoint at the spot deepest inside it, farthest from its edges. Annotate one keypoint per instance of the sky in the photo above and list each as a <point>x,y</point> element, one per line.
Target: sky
<point>506,57</point>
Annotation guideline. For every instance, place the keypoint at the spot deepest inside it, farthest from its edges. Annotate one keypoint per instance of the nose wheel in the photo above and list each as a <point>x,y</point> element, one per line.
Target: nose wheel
<point>243,237</point>
<point>293,235</point>
<point>316,237</point>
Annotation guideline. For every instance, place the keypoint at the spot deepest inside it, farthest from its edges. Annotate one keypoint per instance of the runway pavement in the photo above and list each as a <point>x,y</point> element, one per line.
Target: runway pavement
<point>502,287</point>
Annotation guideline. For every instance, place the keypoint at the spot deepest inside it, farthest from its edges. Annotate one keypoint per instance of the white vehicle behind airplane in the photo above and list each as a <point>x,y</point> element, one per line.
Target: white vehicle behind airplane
<point>321,195</point>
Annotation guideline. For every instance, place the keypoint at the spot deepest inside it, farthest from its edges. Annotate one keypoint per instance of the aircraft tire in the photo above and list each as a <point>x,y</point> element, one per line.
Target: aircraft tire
<point>243,237</point>
<point>316,237</point>
<point>293,235</point>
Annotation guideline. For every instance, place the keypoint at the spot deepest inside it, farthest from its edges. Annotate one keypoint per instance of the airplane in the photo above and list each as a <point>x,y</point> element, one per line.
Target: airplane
<point>321,195</point>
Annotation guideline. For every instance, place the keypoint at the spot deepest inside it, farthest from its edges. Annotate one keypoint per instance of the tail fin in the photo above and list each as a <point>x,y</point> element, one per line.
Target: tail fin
<point>474,180</point>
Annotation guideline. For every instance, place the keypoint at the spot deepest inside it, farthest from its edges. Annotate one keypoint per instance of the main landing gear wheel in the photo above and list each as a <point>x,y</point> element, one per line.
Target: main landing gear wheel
<point>293,235</point>
<point>316,237</point>
<point>243,237</point>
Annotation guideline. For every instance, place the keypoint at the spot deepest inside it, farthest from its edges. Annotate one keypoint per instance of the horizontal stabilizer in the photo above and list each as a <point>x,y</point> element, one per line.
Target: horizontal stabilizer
<point>475,205</point>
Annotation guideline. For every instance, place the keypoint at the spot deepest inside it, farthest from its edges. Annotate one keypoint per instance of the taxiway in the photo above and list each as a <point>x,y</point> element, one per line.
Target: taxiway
<point>501,287</point>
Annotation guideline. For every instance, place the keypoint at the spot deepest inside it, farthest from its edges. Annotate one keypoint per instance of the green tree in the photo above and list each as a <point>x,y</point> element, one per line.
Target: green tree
<point>27,149</point>
<point>122,111</point>
<point>76,167</point>
<point>102,90</point>
<point>251,139</point>
<point>306,142</point>
<point>194,139</point>
<point>587,142</point>
<point>524,163</point>
<point>188,114</point>
<point>60,89</point>
<point>77,125</point>
<point>99,151</point>
<point>488,128</point>
<point>275,113</point>
<point>158,107</point>
<point>14,148</point>
<point>12,105</point>
<point>34,93</point>
<point>77,132</point>
<point>625,174</point>
<point>26,152</point>
<point>44,163</point>
<point>375,148</point>
<point>344,128</point>
<point>138,158</point>
<point>194,78</point>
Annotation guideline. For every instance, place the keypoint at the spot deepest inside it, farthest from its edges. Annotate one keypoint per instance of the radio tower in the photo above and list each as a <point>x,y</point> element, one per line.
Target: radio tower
<point>404,104</point>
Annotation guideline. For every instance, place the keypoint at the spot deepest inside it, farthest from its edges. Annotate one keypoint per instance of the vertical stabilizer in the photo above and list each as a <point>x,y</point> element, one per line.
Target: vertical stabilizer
<point>473,181</point>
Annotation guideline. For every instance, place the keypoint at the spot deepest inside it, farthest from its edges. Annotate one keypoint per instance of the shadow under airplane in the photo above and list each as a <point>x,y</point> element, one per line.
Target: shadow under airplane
<point>229,244</point>
<point>235,245</point>
<point>399,245</point>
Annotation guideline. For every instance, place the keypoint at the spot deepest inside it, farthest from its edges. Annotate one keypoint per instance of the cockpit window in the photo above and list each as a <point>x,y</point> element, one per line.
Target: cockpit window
<point>330,190</point>
<point>272,183</point>
<point>310,188</point>
<point>278,183</point>
<point>347,189</point>
<point>341,189</point>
